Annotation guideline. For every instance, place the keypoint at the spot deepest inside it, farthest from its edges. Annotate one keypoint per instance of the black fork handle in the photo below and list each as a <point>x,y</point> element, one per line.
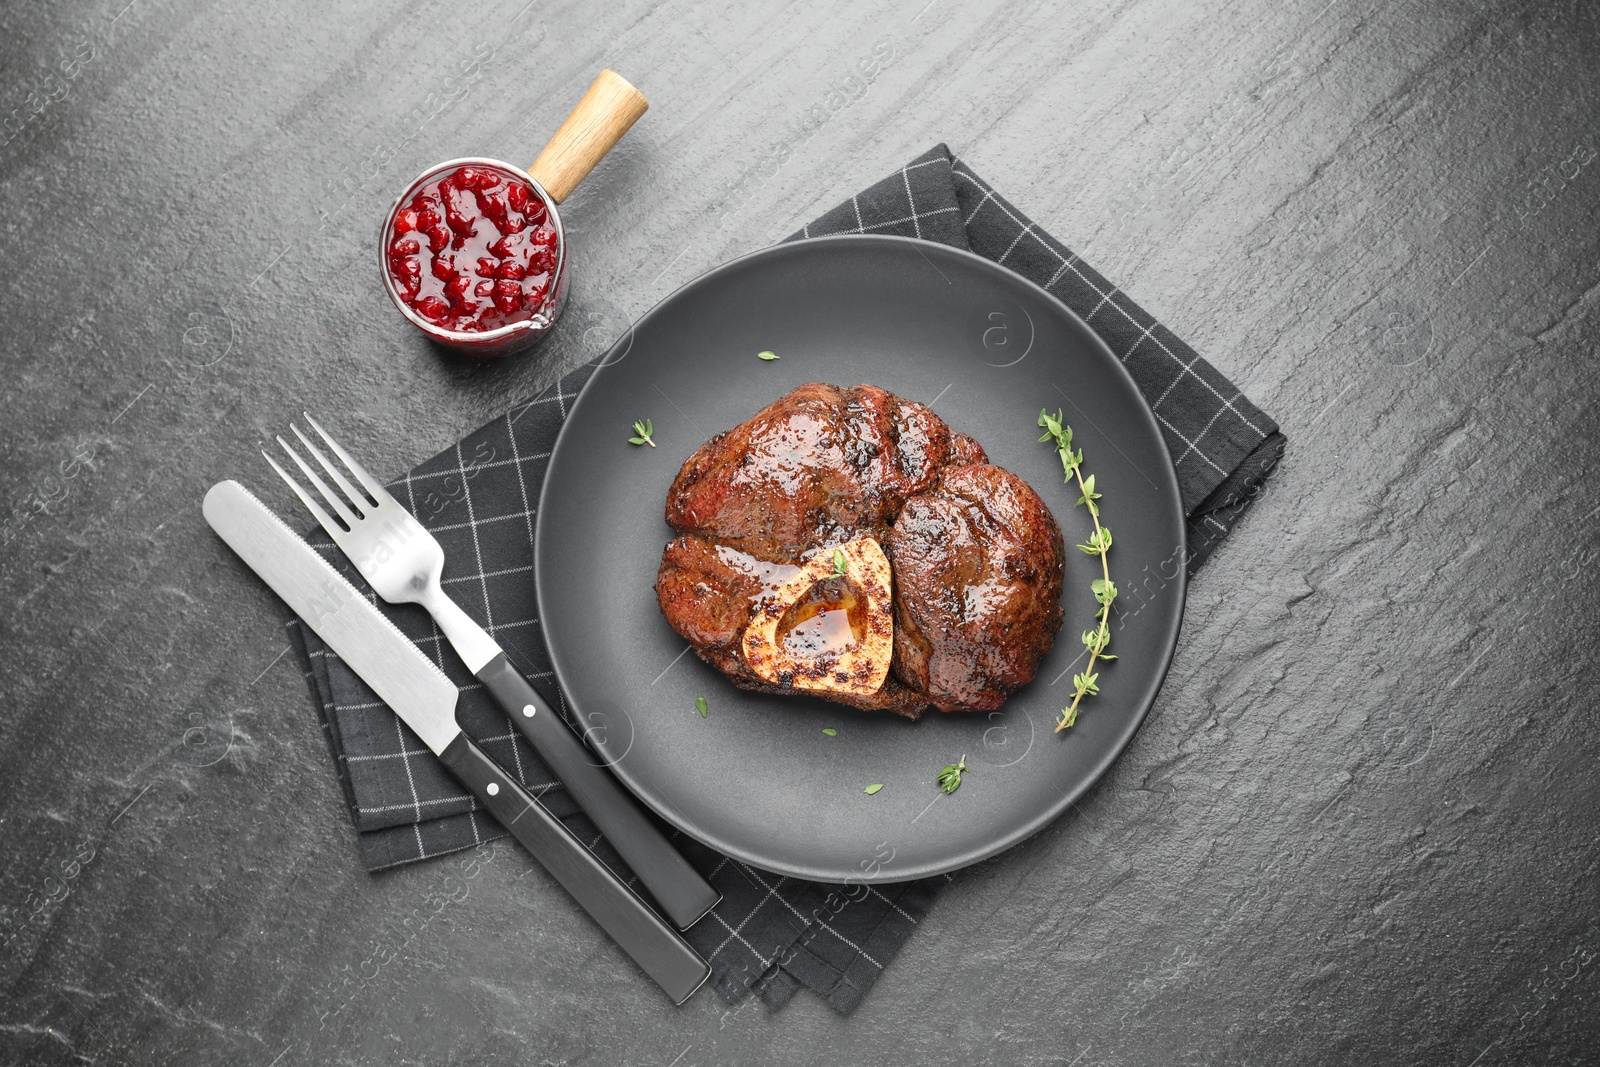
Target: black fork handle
<point>677,887</point>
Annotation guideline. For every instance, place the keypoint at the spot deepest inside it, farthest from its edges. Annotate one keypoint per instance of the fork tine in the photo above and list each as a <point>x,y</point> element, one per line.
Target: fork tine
<point>358,500</point>
<point>375,487</point>
<point>322,487</point>
<point>334,529</point>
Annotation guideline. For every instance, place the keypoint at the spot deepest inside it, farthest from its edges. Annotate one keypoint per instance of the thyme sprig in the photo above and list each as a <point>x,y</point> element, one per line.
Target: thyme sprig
<point>1098,639</point>
<point>950,777</point>
<point>644,428</point>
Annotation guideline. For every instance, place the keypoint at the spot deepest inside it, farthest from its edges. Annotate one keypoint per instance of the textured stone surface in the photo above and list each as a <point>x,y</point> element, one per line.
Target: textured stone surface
<point>1359,825</point>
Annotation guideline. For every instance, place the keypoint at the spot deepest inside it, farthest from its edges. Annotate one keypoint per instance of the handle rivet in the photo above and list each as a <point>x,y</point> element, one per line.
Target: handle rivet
<point>528,710</point>
<point>493,789</point>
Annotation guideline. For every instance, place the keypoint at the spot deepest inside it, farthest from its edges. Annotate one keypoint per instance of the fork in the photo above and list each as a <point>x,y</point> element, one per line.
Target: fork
<point>404,563</point>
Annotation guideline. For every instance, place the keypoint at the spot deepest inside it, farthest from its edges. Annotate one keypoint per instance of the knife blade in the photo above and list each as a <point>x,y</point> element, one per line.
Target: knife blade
<point>425,699</point>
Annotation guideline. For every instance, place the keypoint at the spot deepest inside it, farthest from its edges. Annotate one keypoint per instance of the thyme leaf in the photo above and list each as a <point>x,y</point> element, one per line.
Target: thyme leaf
<point>950,777</point>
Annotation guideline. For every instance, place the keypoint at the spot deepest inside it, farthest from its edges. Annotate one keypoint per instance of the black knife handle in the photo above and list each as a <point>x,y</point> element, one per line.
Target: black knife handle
<point>677,887</point>
<point>632,924</point>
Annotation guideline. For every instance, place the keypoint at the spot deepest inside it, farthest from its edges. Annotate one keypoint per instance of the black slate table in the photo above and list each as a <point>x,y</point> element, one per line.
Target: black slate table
<point>1359,826</point>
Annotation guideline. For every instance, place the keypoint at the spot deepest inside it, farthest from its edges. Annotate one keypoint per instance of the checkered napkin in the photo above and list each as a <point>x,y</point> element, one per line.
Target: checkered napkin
<point>770,935</point>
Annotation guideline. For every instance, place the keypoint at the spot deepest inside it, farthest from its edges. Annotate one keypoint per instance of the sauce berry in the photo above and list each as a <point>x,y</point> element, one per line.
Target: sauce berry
<point>474,250</point>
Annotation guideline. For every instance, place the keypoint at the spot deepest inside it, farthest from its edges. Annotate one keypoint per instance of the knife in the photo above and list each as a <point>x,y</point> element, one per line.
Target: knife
<point>404,564</point>
<point>409,683</point>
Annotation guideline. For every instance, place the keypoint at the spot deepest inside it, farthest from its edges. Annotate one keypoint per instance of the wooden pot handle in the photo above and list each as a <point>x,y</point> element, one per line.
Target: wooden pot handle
<point>604,114</point>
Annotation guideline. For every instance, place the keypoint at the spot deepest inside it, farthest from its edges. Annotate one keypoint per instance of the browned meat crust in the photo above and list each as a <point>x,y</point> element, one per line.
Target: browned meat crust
<point>977,567</point>
<point>976,555</point>
<point>818,466</point>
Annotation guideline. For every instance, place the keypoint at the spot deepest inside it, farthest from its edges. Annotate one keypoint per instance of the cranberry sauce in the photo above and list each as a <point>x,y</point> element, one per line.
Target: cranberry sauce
<point>473,250</point>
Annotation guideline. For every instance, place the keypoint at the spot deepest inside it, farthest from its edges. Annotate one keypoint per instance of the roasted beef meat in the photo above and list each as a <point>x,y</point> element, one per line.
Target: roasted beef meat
<point>977,567</point>
<point>974,555</point>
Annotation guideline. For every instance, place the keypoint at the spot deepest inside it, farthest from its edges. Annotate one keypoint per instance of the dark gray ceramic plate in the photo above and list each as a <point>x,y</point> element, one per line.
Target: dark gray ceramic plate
<point>757,779</point>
